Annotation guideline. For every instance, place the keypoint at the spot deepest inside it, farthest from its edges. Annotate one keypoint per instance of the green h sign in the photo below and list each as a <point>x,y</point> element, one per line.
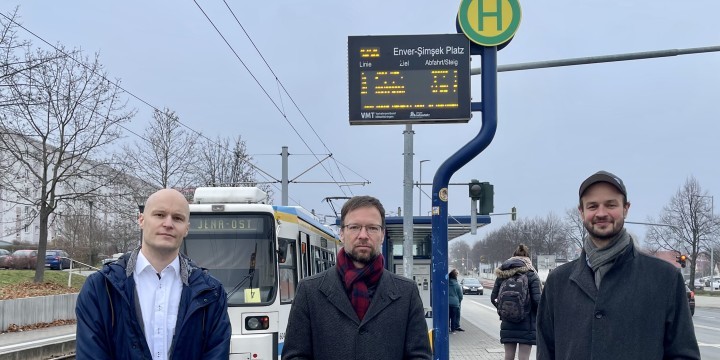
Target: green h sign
<point>489,22</point>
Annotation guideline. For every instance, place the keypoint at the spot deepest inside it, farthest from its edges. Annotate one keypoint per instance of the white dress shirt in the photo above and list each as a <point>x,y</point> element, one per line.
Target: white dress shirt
<point>159,297</point>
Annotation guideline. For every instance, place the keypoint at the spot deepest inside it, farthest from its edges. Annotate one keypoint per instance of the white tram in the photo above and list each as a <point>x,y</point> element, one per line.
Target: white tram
<point>259,252</point>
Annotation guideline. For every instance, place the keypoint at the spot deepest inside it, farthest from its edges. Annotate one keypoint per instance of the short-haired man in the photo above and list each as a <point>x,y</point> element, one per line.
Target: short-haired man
<point>614,302</point>
<point>357,309</point>
<point>154,303</point>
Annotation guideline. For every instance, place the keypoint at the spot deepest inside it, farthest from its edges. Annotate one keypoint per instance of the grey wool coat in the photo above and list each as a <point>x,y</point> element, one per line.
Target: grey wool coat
<point>640,312</point>
<point>324,326</point>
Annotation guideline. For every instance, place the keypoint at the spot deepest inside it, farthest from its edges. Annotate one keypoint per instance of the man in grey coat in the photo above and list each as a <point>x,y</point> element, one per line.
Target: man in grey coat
<point>614,302</point>
<point>357,309</point>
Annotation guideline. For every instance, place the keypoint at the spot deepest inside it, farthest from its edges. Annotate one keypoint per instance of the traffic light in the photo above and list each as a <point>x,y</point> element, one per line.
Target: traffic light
<point>474,189</point>
<point>681,259</point>
<point>513,214</point>
<point>484,192</point>
<point>486,198</point>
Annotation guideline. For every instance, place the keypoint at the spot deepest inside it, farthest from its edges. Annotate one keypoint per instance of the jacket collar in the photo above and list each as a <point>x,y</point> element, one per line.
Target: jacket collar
<point>332,287</point>
<point>583,276</point>
<point>185,266</point>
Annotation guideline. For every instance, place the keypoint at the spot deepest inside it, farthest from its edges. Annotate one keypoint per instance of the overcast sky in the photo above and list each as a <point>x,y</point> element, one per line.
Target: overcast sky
<point>652,122</point>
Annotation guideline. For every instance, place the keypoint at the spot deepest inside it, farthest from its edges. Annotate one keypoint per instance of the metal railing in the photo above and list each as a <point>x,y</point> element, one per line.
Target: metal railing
<point>70,270</point>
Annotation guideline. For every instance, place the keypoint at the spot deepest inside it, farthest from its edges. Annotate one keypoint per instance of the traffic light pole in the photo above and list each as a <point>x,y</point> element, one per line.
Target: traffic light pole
<point>469,151</point>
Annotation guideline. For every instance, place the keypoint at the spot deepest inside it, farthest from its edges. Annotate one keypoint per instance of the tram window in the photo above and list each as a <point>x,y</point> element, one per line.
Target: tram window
<point>288,271</point>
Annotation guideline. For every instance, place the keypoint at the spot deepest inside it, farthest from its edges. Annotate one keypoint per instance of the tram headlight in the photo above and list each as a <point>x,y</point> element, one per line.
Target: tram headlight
<point>257,322</point>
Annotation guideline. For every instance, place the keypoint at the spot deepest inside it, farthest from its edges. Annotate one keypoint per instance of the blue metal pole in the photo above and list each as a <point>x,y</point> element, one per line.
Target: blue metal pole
<point>441,180</point>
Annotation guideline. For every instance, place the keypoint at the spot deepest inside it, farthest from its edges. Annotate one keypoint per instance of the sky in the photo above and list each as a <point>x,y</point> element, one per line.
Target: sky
<point>653,122</point>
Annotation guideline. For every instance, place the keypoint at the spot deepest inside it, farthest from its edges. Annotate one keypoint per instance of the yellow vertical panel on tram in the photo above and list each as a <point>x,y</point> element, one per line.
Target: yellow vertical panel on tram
<point>252,295</point>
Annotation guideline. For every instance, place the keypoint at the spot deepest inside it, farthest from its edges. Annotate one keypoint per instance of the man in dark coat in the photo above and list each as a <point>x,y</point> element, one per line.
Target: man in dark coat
<point>614,302</point>
<point>357,309</point>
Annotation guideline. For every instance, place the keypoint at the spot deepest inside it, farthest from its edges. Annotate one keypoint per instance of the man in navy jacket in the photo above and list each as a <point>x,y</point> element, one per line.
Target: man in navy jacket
<point>115,308</point>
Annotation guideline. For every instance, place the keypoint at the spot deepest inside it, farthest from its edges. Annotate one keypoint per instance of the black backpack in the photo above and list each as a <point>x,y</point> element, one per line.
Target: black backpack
<point>512,300</point>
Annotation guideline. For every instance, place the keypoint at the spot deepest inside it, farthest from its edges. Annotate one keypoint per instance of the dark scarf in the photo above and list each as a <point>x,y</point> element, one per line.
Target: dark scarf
<point>600,260</point>
<point>357,281</point>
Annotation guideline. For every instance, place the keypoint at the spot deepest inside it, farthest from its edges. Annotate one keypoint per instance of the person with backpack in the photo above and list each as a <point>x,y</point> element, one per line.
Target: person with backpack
<point>455,296</point>
<point>516,295</point>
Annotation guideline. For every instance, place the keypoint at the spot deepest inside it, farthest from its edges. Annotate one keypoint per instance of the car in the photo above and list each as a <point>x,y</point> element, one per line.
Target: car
<point>691,300</point>
<point>471,286</point>
<point>57,259</point>
<point>112,259</point>
<point>699,284</point>
<point>5,259</point>
<point>24,259</point>
<point>715,283</point>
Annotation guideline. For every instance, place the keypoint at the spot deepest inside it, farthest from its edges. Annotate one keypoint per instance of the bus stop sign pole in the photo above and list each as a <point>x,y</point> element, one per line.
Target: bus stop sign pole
<point>488,106</point>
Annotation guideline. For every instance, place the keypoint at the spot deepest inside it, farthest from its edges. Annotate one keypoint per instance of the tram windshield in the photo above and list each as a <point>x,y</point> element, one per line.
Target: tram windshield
<point>238,250</point>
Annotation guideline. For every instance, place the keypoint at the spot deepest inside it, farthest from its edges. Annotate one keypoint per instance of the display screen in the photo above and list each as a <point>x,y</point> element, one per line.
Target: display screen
<point>409,79</point>
<point>225,223</point>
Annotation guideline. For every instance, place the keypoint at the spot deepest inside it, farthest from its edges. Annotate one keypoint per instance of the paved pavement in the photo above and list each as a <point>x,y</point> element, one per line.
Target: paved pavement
<point>474,343</point>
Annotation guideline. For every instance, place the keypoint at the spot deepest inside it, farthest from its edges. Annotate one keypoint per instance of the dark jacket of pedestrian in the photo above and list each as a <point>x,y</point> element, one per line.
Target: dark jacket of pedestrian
<point>110,324</point>
<point>576,320</point>
<point>523,332</point>
<point>393,328</point>
<point>455,294</point>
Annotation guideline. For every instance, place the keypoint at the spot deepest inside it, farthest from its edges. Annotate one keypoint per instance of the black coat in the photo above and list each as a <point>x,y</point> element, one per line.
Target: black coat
<point>324,326</point>
<point>640,312</point>
<point>521,332</point>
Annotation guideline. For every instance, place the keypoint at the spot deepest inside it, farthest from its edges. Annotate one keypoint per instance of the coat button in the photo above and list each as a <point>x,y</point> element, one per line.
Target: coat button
<point>598,315</point>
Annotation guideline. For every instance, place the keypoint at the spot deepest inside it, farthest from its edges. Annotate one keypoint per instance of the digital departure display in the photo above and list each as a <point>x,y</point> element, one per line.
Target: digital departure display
<point>409,79</point>
<point>225,223</point>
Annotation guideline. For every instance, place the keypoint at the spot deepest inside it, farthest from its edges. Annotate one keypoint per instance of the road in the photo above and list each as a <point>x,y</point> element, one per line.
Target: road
<point>478,310</point>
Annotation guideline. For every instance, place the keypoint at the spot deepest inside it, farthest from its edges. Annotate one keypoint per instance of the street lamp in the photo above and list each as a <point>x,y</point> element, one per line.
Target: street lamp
<point>420,189</point>
<point>712,250</point>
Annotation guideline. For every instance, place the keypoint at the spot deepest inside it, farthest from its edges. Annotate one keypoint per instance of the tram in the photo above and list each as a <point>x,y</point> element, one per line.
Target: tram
<point>259,252</point>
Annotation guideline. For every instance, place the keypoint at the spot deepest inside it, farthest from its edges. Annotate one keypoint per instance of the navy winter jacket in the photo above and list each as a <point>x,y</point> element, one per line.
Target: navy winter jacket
<point>109,325</point>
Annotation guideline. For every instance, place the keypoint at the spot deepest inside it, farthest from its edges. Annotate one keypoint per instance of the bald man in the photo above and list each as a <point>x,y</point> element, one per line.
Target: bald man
<point>154,303</point>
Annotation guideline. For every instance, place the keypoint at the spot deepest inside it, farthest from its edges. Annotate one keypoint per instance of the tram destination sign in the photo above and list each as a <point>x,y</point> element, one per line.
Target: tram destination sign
<point>409,79</point>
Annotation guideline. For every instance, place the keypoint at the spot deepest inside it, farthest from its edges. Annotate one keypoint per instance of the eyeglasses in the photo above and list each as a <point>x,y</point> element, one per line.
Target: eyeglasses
<point>370,229</point>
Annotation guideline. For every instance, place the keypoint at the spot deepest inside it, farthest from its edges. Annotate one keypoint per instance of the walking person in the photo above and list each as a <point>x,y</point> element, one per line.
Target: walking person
<point>357,309</point>
<point>516,294</point>
<point>455,296</point>
<point>153,302</point>
<point>614,301</point>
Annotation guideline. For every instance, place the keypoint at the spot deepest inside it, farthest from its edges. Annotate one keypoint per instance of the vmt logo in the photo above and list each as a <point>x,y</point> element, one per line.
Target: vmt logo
<point>367,115</point>
<point>489,22</point>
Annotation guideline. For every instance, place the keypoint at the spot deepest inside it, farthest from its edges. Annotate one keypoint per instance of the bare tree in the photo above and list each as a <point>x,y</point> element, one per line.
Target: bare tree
<point>689,224</point>
<point>63,113</point>
<point>167,155</point>
<point>459,251</point>
<point>575,229</point>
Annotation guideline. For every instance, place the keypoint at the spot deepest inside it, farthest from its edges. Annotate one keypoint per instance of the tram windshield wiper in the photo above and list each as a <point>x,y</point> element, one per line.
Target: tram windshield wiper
<point>240,284</point>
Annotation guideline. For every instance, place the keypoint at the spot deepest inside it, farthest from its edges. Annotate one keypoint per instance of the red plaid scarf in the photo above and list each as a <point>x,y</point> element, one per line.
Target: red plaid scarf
<point>357,280</point>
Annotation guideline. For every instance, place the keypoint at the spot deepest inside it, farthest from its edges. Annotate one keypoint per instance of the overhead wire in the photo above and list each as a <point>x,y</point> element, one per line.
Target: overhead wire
<point>262,172</point>
<point>279,82</point>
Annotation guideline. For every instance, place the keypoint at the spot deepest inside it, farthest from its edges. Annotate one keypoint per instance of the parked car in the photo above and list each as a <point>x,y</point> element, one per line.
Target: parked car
<point>471,286</point>
<point>24,259</point>
<point>715,283</point>
<point>57,259</point>
<point>699,284</point>
<point>5,259</point>
<point>691,299</point>
<point>112,258</point>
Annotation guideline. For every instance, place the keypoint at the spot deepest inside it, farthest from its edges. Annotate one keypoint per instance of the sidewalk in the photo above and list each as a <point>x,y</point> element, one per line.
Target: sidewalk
<point>474,343</point>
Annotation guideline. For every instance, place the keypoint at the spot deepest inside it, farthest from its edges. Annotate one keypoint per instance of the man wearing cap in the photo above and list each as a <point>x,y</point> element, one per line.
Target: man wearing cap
<point>614,301</point>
